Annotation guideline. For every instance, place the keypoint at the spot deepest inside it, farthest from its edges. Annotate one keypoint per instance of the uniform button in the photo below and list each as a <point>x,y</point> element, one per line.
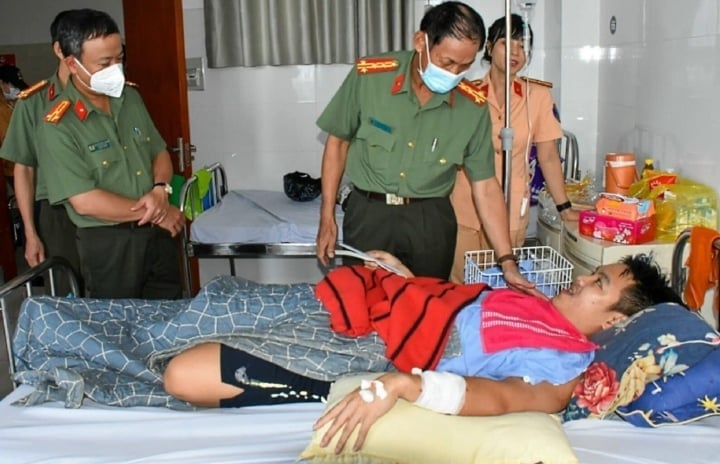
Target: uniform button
<point>443,161</point>
<point>139,173</point>
<point>410,144</point>
<point>402,175</point>
<point>105,163</point>
<point>125,147</point>
<point>147,138</point>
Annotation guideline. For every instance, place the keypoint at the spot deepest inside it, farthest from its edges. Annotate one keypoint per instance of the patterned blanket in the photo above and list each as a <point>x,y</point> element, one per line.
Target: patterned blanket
<point>114,351</point>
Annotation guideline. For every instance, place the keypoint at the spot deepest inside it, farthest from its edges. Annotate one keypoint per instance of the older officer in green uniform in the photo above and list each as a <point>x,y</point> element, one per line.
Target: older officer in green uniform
<point>54,234</point>
<point>402,123</point>
<point>106,162</point>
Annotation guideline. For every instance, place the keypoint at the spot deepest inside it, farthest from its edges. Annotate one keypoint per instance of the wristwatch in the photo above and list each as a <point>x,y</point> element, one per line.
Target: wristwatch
<point>167,187</point>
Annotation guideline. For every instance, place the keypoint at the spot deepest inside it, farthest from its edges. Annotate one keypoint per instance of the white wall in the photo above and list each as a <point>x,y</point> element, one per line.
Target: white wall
<point>260,122</point>
<point>651,88</point>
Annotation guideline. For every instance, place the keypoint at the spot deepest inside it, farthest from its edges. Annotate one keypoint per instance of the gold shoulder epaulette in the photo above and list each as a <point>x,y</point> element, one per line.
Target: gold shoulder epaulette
<point>472,91</point>
<point>537,81</point>
<point>132,84</point>
<point>376,65</point>
<point>32,89</point>
<point>57,111</point>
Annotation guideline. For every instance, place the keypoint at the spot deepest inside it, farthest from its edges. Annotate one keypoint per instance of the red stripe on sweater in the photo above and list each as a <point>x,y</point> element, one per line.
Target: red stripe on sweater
<point>414,317</point>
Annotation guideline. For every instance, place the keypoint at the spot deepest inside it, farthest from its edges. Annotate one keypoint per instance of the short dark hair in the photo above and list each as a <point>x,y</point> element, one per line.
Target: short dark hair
<point>56,25</point>
<point>12,75</point>
<point>651,286</point>
<point>82,25</point>
<point>453,19</point>
<point>498,30</point>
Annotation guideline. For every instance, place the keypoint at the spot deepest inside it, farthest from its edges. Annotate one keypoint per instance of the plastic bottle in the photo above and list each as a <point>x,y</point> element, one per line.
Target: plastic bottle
<point>648,167</point>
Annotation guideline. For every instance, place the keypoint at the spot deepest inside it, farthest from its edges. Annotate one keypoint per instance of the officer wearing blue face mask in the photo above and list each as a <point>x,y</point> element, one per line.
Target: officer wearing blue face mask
<point>11,82</point>
<point>399,127</point>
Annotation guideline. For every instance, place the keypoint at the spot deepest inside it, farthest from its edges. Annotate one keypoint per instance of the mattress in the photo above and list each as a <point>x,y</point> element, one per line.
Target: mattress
<point>259,216</point>
<point>277,434</point>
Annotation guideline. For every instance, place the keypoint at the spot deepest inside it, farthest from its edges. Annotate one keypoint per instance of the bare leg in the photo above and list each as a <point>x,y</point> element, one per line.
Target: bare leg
<point>194,376</point>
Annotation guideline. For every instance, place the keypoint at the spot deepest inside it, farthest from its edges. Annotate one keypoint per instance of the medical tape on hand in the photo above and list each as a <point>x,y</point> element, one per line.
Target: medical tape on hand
<point>442,392</point>
<point>366,390</point>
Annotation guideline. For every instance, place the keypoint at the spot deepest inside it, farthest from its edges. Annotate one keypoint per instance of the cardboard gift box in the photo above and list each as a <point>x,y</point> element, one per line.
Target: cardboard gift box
<point>622,207</point>
<point>625,231</point>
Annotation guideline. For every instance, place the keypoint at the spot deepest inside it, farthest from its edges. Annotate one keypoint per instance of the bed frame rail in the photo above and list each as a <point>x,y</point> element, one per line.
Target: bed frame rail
<point>52,269</point>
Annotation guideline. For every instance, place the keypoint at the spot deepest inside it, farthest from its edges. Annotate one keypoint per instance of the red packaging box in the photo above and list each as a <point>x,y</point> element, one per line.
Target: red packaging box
<point>615,229</point>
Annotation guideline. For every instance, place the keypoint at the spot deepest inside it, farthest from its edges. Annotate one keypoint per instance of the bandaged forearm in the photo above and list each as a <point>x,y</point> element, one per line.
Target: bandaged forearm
<point>442,392</point>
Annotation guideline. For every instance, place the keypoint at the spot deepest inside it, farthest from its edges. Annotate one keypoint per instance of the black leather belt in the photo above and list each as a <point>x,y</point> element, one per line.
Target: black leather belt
<point>132,225</point>
<point>389,198</point>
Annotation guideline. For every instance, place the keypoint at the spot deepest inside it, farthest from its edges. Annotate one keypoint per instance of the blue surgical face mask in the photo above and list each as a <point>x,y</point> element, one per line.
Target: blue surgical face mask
<point>436,78</point>
<point>12,93</point>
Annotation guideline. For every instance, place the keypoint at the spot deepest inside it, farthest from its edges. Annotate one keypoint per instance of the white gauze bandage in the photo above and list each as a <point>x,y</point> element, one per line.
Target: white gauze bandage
<point>442,392</point>
<point>366,390</point>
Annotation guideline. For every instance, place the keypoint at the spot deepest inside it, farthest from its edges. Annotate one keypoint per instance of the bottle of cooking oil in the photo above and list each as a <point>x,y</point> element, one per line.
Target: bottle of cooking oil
<point>648,167</point>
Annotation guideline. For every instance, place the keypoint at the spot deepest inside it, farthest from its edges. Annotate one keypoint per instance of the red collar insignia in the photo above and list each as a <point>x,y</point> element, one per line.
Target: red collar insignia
<point>80,110</point>
<point>398,83</point>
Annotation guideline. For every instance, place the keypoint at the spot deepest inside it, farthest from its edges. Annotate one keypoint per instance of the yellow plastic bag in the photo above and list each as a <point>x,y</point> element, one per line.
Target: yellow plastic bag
<point>681,205</point>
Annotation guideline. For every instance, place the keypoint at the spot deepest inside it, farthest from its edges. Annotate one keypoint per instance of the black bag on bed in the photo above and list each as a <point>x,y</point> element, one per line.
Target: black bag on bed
<point>299,186</point>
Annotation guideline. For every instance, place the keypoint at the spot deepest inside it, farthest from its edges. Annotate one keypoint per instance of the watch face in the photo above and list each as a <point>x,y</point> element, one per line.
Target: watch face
<point>168,189</point>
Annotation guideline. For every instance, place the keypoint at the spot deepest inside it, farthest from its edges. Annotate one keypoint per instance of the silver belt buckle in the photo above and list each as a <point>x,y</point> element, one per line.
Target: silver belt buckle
<point>392,199</point>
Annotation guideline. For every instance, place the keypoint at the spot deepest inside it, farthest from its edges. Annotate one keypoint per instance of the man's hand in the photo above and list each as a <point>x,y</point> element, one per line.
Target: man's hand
<point>326,238</point>
<point>570,215</point>
<point>352,412</point>
<point>34,250</point>
<point>388,259</point>
<point>156,205</point>
<point>173,221</point>
<point>516,281</point>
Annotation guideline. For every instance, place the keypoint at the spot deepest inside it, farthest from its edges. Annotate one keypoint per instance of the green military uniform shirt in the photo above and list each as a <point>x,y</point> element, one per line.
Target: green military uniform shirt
<point>398,146</point>
<point>19,145</point>
<point>83,149</point>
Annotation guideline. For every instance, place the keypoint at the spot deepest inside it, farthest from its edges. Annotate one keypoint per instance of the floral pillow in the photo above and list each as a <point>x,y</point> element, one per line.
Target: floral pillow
<point>679,399</point>
<point>656,343</point>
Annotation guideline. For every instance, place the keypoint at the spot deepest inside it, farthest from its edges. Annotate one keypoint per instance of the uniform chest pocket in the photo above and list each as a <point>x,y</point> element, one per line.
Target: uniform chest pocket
<point>103,156</point>
<point>376,139</point>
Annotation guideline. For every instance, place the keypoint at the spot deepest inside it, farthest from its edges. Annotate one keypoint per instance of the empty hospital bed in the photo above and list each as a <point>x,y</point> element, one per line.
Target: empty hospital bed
<point>230,224</point>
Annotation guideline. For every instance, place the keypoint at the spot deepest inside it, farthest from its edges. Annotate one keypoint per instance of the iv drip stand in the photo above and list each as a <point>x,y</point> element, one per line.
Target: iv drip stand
<point>507,133</point>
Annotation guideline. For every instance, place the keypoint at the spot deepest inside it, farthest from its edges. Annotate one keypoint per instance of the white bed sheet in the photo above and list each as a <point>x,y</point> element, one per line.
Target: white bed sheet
<point>277,434</point>
<point>259,216</point>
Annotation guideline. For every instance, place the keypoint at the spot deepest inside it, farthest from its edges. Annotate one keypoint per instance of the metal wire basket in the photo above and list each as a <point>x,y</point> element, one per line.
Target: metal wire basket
<point>540,264</point>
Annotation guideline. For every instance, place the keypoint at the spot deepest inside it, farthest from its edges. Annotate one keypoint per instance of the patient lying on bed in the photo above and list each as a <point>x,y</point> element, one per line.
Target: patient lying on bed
<point>534,351</point>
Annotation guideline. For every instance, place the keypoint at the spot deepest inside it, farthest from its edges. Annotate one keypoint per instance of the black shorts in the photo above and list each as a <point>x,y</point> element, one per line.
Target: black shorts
<point>264,382</point>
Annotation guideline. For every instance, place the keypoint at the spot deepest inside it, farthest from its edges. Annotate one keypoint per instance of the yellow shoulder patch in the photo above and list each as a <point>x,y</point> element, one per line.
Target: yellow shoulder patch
<point>471,91</point>
<point>530,80</point>
<point>57,111</point>
<point>32,89</point>
<point>376,65</point>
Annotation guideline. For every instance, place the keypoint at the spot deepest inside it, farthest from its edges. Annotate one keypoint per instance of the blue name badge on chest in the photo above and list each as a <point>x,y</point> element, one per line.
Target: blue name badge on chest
<point>98,146</point>
<point>381,125</point>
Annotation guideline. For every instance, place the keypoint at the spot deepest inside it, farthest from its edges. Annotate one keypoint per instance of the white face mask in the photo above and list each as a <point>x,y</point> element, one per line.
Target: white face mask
<point>108,81</point>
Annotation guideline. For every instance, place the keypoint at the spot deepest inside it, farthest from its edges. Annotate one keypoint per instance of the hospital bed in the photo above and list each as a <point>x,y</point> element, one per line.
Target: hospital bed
<point>96,433</point>
<point>230,224</point>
